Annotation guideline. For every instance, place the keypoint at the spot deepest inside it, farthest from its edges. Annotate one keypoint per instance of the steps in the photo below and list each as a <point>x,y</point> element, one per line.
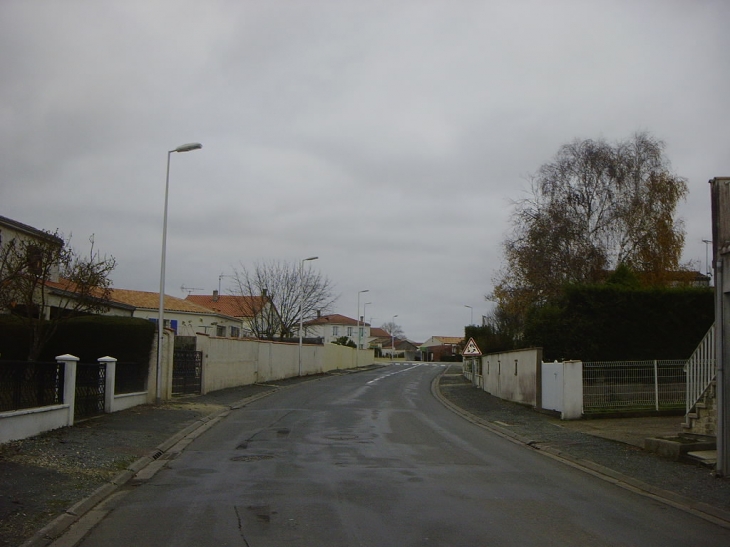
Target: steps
<point>703,420</point>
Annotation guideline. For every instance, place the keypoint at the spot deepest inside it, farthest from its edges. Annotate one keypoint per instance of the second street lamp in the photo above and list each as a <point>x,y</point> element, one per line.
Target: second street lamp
<point>161,312</point>
<point>301,306</point>
<point>358,316</point>
<point>472,314</point>
<point>392,338</point>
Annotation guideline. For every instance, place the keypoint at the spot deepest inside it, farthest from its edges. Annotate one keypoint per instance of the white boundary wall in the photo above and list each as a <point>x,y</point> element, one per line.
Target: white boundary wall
<point>228,362</point>
<point>513,375</point>
<point>21,424</point>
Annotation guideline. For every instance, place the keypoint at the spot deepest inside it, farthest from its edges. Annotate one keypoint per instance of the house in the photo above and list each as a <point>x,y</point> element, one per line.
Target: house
<point>441,348</point>
<point>17,239</point>
<point>256,314</point>
<point>334,326</point>
<point>386,345</point>
<point>183,317</point>
<point>379,339</point>
<point>63,291</point>
<point>13,232</point>
<point>30,260</point>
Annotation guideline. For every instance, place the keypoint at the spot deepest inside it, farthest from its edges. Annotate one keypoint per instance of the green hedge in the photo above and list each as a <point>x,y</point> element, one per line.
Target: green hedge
<point>125,338</point>
<point>611,323</point>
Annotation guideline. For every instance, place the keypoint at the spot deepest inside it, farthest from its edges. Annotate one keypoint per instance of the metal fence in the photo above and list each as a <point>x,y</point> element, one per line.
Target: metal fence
<point>90,389</point>
<point>627,386</point>
<point>28,384</point>
<point>130,377</point>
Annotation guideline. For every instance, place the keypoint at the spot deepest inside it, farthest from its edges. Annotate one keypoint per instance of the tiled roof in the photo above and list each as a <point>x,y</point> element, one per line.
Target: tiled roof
<point>334,319</point>
<point>378,332</point>
<point>151,300</point>
<point>235,306</point>
<point>450,339</point>
<point>66,286</point>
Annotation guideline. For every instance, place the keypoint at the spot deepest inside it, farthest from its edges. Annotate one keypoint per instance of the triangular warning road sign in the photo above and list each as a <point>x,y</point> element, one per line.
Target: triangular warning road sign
<point>471,349</point>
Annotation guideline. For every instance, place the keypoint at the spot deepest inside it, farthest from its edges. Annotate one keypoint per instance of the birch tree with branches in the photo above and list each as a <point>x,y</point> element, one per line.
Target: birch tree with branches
<point>280,287</point>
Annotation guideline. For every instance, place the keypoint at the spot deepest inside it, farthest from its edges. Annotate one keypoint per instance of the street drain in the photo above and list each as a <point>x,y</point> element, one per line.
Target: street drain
<point>252,458</point>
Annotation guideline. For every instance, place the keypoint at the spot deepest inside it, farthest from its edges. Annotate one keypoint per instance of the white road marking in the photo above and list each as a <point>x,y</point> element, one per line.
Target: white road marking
<point>392,374</point>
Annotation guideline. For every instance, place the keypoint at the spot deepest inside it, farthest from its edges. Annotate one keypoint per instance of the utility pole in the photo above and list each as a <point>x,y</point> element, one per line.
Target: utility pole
<point>720,189</point>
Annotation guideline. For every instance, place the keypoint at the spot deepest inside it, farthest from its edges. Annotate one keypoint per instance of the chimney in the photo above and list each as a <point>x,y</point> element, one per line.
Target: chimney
<point>215,296</point>
<point>264,292</point>
<point>319,314</point>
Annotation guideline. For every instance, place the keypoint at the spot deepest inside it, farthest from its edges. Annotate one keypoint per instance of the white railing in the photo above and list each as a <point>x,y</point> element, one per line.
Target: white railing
<point>701,369</point>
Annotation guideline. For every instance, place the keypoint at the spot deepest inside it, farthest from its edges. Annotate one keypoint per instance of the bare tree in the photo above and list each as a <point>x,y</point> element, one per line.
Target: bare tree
<point>279,287</point>
<point>43,282</point>
<point>395,330</point>
<point>595,206</point>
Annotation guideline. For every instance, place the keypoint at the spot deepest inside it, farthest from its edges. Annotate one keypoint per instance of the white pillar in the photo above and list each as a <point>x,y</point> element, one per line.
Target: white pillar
<point>69,383</point>
<point>572,390</point>
<point>111,369</point>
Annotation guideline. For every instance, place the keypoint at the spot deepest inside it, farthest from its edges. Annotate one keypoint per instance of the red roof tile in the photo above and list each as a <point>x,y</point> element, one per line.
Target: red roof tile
<point>235,306</point>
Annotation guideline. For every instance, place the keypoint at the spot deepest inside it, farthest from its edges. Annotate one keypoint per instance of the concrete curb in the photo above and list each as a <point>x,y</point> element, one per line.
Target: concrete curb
<point>699,509</point>
<point>58,526</point>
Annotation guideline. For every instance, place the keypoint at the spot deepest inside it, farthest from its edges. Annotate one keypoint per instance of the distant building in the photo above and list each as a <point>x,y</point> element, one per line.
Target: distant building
<point>331,327</point>
<point>183,317</point>
<point>437,348</point>
<point>247,309</point>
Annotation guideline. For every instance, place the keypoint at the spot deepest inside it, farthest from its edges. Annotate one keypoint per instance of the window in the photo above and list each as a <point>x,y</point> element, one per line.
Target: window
<point>35,259</point>
<point>220,330</point>
<point>335,331</point>
<point>235,332</point>
<point>349,331</point>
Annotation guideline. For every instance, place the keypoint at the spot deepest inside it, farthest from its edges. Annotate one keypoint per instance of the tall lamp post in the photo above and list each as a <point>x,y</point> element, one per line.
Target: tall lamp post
<point>392,337</point>
<point>364,310</point>
<point>472,314</point>
<point>707,243</point>
<point>301,306</point>
<point>358,316</point>
<point>161,313</point>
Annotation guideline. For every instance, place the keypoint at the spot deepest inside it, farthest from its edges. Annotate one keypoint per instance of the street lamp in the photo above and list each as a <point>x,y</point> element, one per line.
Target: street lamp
<point>707,243</point>
<point>358,316</point>
<point>301,306</point>
<point>472,314</point>
<point>364,307</point>
<point>392,337</point>
<point>161,313</point>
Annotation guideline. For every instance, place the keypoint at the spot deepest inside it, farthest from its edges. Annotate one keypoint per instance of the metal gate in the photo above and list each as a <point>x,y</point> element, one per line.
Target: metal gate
<point>186,372</point>
<point>90,390</point>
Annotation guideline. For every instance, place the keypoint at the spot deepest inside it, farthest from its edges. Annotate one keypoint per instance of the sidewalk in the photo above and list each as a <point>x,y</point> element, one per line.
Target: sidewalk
<point>49,481</point>
<point>610,448</point>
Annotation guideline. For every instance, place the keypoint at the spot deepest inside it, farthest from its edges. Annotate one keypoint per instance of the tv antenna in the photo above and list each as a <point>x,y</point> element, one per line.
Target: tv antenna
<point>221,276</point>
<point>189,290</point>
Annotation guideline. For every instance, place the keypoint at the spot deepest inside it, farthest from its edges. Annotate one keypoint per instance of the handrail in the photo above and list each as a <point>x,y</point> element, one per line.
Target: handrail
<point>701,370</point>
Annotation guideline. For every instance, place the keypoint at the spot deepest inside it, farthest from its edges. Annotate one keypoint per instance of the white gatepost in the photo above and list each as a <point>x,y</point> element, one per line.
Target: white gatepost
<point>110,364</point>
<point>69,383</point>
<point>572,390</point>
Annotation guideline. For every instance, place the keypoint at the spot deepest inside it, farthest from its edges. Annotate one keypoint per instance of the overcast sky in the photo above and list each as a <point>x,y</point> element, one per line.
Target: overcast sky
<point>388,138</point>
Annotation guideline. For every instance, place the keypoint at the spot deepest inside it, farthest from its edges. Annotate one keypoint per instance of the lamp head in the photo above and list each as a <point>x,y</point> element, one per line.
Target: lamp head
<point>188,147</point>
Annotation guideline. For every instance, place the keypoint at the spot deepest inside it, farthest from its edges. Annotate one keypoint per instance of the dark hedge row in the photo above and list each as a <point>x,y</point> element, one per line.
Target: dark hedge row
<point>88,338</point>
<point>611,323</point>
<point>488,340</point>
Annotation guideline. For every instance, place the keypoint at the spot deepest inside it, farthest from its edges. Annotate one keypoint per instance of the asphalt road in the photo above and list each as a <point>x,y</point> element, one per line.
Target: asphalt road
<point>373,459</point>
